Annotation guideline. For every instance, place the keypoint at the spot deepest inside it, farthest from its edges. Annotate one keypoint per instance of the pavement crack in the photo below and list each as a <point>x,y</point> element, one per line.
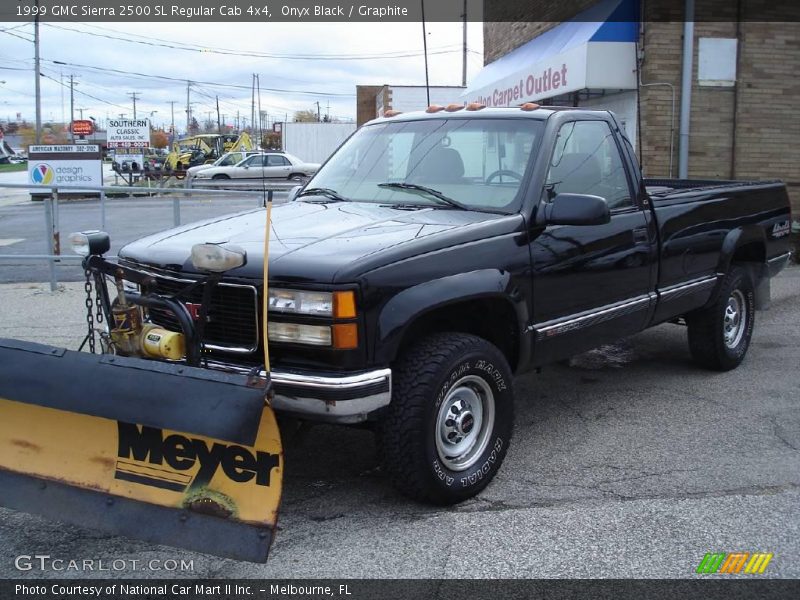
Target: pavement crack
<point>777,431</point>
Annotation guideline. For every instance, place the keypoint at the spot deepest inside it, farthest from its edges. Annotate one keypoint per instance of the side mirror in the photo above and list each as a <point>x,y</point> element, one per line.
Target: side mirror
<point>293,191</point>
<point>576,209</point>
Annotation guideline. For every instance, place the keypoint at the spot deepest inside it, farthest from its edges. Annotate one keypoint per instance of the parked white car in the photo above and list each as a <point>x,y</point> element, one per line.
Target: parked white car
<point>228,159</point>
<point>269,165</point>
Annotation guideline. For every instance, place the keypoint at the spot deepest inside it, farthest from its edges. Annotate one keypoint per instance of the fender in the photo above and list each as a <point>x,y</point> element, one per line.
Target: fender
<point>735,239</point>
<point>412,303</point>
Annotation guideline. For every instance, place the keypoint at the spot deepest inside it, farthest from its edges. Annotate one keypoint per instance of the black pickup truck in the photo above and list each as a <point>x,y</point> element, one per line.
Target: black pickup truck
<point>439,253</point>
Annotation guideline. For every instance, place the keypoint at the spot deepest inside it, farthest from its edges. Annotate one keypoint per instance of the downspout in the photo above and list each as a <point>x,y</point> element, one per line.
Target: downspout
<point>686,88</point>
<point>639,65</point>
<point>735,125</point>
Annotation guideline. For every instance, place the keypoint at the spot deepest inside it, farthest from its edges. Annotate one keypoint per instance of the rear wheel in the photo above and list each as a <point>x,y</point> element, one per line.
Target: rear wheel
<point>448,427</point>
<point>719,335</point>
<point>297,177</point>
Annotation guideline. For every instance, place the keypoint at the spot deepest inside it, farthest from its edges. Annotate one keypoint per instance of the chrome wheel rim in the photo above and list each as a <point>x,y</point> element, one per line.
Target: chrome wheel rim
<point>464,423</point>
<point>734,320</point>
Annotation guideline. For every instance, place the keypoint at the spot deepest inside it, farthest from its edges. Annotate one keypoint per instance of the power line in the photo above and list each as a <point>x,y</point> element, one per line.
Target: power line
<point>84,93</point>
<point>230,52</point>
<point>210,83</point>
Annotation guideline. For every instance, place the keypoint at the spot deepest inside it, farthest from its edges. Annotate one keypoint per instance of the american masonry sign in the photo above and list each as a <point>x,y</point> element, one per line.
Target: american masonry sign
<point>65,165</point>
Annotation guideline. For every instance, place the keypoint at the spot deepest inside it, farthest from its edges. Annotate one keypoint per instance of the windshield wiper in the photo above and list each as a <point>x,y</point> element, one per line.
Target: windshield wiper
<point>326,192</point>
<point>413,187</point>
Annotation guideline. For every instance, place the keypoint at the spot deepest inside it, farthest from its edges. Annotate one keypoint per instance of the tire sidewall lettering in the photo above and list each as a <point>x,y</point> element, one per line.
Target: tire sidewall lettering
<point>495,451</point>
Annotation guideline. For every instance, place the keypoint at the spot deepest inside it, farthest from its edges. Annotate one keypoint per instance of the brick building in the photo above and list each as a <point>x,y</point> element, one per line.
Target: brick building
<point>374,100</point>
<point>627,56</point>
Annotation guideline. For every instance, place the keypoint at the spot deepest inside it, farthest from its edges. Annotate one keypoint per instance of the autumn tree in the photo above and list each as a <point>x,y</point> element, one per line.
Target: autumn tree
<point>159,139</point>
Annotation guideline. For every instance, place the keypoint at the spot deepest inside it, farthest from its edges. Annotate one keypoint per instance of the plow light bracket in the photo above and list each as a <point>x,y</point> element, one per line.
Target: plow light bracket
<point>90,243</point>
<point>216,258</point>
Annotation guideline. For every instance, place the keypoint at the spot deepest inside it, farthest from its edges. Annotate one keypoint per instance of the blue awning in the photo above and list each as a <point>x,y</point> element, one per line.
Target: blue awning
<point>557,51</point>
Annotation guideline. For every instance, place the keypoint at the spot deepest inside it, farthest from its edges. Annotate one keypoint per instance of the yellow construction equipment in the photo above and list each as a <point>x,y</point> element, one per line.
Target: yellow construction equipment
<point>204,148</point>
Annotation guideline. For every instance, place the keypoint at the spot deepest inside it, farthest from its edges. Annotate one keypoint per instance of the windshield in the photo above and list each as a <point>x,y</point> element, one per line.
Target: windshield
<point>479,163</point>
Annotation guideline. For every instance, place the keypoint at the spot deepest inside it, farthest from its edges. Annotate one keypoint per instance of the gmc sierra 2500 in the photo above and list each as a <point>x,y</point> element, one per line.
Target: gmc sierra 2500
<point>436,254</point>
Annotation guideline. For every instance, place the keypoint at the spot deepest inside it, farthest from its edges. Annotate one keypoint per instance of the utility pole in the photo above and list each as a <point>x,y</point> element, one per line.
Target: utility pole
<point>80,110</point>
<point>188,107</point>
<point>253,104</point>
<point>37,76</point>
<point>425,50</point>
<point>72,102</point>
<point>260,133</point>
<point>318,117</point>
<point>464,50</point>
<point>219,123</point>
<point>134,95</point>
<point>172,112</point>
<point>237,121</point>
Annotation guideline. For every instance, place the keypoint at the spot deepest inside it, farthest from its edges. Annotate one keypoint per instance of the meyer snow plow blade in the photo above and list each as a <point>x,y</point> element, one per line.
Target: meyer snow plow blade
<point>157,451</point>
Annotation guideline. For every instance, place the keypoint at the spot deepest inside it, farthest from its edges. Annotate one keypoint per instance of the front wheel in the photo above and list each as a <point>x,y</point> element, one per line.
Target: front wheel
<point>448,427</point>
<point>719,335</point>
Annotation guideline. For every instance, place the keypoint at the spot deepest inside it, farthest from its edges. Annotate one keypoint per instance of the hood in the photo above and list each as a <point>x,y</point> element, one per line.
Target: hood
<point>324,243</point>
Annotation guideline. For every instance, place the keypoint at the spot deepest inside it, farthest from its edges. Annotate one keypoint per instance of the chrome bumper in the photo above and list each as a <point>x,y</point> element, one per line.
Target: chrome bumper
<point>337,398</point>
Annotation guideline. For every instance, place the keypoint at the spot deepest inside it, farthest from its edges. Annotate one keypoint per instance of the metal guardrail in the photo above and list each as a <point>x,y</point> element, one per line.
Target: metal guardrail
<point>264,193</point>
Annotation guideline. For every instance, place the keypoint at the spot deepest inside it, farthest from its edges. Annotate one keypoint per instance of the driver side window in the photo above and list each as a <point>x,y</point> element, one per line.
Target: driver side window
<point>586,160</point>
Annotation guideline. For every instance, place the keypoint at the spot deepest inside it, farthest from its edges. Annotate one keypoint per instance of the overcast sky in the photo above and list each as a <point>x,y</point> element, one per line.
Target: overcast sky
<point>333,80</point>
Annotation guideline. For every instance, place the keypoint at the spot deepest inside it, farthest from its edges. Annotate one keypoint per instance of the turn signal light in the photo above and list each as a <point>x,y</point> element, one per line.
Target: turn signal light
<point>345,336</point>
<point>529,106</point>
<point>434,108</point>
<point>344,305</point>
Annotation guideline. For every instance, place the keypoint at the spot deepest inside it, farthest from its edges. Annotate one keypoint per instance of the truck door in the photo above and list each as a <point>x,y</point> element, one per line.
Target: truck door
<point>592,283</point>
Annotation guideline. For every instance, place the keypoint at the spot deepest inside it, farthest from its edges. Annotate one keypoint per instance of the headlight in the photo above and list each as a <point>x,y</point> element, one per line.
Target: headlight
<point>342,336</point>
<point>86,243</point>
<point>217,258</point>
<point>340,305</point>
<point>299,334</point>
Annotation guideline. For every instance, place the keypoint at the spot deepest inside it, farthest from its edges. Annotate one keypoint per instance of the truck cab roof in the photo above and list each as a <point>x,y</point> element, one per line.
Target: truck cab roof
<point>541,113</point>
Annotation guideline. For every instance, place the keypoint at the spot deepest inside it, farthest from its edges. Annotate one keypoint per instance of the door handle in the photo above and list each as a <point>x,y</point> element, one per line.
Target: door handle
<point>640,236</point>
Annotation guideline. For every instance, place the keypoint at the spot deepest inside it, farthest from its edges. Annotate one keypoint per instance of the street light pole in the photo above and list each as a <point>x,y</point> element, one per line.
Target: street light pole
<point>425,49</point>
<point>37,71</point>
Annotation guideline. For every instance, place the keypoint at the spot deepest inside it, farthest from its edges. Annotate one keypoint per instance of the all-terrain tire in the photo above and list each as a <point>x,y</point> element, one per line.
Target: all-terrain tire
<point>719,334</point>
<point>448,389</point>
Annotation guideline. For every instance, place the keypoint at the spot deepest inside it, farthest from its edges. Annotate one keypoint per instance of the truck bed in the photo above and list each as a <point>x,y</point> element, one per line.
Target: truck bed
<point>663,191</point>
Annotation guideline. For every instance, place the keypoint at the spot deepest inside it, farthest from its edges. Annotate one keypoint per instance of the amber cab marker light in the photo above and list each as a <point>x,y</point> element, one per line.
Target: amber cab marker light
<point>344,305</point>
<point>345,336</point>
<point>529,106</point>
<point>475,106</point>
<point>392,113</point>
<point>434,108</point>
<point>454,107</point>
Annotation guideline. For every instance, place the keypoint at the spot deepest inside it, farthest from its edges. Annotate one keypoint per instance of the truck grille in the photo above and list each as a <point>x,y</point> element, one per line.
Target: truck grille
<point>233,314</point>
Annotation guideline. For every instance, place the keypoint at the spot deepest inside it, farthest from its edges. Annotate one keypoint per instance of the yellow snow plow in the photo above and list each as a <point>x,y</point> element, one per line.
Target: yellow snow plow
<point>162,450</point>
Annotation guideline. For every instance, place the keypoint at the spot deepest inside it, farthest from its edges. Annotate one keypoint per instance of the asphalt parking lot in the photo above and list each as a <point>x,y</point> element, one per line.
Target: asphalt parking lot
<point>628,462</point>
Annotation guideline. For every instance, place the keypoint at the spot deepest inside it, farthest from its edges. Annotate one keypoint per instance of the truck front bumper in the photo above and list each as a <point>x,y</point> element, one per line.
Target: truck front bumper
<point>330,397</point>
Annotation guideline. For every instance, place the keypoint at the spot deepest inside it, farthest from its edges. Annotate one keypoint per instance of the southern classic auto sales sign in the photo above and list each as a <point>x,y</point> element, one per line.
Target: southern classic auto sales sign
<point>128,133</point>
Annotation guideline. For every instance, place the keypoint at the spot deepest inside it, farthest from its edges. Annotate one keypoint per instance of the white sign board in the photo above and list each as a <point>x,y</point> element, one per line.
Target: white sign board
<point>594,65</point>
<point>128,133</point>
<point>65,165</point>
